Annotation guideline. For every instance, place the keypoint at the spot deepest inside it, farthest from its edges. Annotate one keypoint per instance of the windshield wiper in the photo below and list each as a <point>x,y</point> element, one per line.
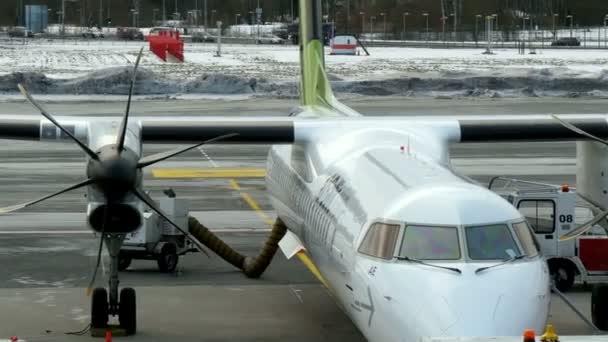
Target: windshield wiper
<point>481,269</point>
<point>453,269</point>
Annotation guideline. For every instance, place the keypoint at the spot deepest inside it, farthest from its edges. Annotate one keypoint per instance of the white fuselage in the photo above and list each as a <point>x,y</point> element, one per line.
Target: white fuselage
<point>330,191</point>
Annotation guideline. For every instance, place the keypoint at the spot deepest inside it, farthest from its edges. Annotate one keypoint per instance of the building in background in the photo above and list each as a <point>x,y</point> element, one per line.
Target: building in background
<point>36,18</point>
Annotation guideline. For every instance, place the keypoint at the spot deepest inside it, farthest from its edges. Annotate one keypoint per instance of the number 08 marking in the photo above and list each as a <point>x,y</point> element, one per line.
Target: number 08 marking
<point>565,218</point>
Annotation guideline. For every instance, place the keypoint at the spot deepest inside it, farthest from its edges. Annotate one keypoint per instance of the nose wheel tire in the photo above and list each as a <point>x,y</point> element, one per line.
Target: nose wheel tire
<point>168,259</point>
<point>99,308</point>
<point>563,276</point>
<point>599,306</point>
<point>127,311</point>
<point>123,262</point>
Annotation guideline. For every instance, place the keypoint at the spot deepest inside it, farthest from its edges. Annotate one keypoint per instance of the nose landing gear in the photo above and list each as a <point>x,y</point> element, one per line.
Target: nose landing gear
<point>123,306</point>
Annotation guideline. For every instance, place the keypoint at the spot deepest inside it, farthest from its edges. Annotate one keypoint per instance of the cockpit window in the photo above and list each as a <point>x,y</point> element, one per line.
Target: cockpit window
<point>380,241</point>
<point>491,242</point>
<point>526,239</point>
<point>430,243</point>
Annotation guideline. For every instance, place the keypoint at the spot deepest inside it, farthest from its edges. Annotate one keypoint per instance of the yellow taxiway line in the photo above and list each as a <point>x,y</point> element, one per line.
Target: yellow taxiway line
<point>251,202</point>
<point>304,258</point>
<point>209,173</point>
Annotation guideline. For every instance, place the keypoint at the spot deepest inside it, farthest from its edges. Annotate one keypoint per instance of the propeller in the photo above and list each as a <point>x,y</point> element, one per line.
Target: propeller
<point>49,117</point>
<point>604,212</point>
<point>120,142</point>
<point>116,170</point>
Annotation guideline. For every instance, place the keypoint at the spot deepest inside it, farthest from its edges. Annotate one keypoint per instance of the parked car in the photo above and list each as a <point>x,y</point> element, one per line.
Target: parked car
<point>566,42</point>
<point>129,33</point>
<point>93,33</point>
<point>20,32</point>
<point>271,39</point>
<point>202,37</point>
<point>155,31</point>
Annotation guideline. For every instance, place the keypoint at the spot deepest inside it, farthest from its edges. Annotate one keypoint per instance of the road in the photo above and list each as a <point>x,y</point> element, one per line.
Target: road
<point>47,256</point>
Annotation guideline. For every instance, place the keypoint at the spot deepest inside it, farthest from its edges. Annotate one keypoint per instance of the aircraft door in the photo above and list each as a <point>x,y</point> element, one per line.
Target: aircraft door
<point>541,214</point>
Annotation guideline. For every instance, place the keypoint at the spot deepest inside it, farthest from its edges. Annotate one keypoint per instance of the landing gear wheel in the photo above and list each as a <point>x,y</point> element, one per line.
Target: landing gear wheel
<point>127,315</point>
<point>562,275</point>
<point>123,262</point>
<point>99,308</point>
<point>599,306</point>
<point>168,259</point>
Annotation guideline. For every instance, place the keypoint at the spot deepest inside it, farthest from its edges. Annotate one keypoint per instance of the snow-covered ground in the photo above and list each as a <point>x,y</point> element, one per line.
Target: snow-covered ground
<point>88,67</point>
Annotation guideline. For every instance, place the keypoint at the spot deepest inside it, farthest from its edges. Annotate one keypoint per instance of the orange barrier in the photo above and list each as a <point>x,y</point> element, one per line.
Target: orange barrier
<point>167,42</point>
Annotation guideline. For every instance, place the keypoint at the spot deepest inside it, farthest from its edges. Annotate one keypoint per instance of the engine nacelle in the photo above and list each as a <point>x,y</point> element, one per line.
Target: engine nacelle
<point>117,217</point>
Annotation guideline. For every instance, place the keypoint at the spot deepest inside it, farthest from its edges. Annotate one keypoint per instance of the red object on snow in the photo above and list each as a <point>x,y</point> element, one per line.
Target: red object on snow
<point>108,336</point>
<point>167,42</point>
<point>14,338</point>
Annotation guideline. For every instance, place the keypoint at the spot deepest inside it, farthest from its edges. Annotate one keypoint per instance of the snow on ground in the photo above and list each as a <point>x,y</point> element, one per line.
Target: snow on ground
<point>268,67</point>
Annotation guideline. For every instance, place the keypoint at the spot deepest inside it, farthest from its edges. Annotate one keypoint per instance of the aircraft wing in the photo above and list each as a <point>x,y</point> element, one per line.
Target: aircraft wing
<point>285,130</point>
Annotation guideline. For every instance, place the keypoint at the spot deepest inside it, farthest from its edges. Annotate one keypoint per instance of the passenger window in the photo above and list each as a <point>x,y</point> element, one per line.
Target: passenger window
<point>526,239</point>
<point>380,241</point>
<point>491,242</point>
<point>430,243</point>
<point>540,215</point>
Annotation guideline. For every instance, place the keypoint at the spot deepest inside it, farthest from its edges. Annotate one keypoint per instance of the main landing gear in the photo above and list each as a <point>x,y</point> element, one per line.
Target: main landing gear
<point>104,304</point>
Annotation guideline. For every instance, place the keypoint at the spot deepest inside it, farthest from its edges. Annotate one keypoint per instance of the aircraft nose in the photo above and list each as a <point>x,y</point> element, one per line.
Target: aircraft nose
<point>500,302</point>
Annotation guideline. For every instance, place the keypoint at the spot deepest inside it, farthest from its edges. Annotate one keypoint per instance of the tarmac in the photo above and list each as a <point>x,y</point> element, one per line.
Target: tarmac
<point>47,254</point>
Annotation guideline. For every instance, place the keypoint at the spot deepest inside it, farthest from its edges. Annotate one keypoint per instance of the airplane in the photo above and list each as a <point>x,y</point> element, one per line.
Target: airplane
<point>407,247</point>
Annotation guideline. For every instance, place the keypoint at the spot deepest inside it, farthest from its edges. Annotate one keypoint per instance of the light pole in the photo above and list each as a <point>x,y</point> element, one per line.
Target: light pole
<point>384,29</point>
<point>164,12</point>
<point>404,27</point>
<point>362,23</point>
<point>62,17</point>
<point>606,30</point>
<point>205,14</point>
<point>426,16</point>
<point>100,13</point>
<point>477,17</point>
<point>236,18</point>
<point>443,20</point>
<point>453,15</point>
<point>555,15</point>
<point>523,29</point>
<point>529,34</point>
<point>571,24</point>
<point>371,26</point>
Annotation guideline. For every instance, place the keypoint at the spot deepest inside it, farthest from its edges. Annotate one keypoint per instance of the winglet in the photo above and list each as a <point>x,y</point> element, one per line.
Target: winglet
<point>314,84</point>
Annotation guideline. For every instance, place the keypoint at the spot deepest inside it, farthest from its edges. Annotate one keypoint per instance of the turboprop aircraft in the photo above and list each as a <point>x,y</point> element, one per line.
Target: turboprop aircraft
<point>407,247</point>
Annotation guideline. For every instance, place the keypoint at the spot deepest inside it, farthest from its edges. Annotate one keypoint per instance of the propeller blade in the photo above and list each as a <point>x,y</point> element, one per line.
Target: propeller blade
<point>125,120</point>
<point>99,250</point>
<point>155,158</point>
<point>578,130</point>
<point>150,202</point>
<point>25,205</point>
<point>585,227</point>
<point>44,113</point>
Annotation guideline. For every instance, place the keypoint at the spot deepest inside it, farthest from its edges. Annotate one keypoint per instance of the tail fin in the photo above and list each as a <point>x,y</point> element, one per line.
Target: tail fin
<point>314,85</point>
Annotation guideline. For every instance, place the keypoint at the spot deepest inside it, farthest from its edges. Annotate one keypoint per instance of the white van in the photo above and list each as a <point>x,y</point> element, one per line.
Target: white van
<point>343,45</point>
